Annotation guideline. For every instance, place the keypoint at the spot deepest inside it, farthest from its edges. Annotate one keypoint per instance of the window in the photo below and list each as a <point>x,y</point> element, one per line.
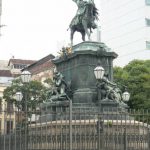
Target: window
<point>9,126</point>
<point>16,66</point>
<point>9,107</point>
<point>147,2</point>
<point>148,45</point>
<point>147,22</point>
<point>19,66</point>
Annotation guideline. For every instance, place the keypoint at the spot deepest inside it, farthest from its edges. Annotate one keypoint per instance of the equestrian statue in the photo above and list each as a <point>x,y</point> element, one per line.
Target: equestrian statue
<point>84,20</point>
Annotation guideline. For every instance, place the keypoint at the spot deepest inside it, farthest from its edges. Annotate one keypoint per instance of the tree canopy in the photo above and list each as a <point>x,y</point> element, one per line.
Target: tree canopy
<point>136,76</point>
<point>33,91</point>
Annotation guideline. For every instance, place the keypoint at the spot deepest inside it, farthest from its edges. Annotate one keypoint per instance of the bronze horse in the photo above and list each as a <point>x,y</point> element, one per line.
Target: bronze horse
<point>85,22</point>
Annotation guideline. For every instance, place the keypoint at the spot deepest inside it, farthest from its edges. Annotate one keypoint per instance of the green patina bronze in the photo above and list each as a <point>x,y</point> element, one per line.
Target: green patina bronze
<point>84,19</point>
<point>75,79</point>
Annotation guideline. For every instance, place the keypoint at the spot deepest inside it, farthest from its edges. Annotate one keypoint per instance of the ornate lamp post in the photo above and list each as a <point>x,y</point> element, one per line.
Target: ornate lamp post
<point>26,77</point>
<point>19,97</point>
<point>99,73</point>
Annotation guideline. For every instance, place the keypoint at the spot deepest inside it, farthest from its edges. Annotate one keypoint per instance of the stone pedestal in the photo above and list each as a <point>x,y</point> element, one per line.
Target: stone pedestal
<point>112,110</point>
<point>78,69</point>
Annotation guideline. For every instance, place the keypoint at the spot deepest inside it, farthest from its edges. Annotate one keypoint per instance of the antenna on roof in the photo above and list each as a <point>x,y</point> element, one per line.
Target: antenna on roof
<point>12,56</point>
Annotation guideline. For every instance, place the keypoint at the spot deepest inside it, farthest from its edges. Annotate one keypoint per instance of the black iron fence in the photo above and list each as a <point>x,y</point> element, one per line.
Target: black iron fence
<point>81,127</point>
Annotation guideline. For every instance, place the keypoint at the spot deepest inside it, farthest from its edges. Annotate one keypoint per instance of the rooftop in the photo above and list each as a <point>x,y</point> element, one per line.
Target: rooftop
<point>21,61</point>
<point>5,73</point>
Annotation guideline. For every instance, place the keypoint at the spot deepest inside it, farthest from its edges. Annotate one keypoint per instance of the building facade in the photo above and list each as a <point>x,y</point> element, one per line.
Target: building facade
<point>125,28</point>
<point>8,71</point>
<point>42,69</point>
<point>6,122</point>
<point>16,65</point>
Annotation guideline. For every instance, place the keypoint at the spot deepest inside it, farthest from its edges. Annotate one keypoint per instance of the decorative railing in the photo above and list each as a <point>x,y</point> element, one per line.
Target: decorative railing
<point>86,129</point>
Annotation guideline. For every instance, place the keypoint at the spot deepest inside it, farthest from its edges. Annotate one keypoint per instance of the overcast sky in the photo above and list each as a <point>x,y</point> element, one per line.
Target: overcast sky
<point>35,28</point>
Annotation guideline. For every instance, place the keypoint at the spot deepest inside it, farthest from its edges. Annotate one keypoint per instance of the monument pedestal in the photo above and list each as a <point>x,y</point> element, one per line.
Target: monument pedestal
<point>78,69</point>
<point>112,110</point>
<point>84,95</point>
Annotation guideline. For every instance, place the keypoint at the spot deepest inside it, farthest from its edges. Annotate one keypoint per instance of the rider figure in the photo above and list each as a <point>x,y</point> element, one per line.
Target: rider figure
<point>80,12</point>
<point>81,9</point>
<point>81,6</point>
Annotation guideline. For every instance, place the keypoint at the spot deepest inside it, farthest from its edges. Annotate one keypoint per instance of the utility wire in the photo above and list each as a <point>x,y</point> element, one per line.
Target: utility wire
<point>122,25</point>
<point>130,53</point>
<point>124,45</point>
<point>133,31</point>
<point>120,6</point>
<point>125,14</point>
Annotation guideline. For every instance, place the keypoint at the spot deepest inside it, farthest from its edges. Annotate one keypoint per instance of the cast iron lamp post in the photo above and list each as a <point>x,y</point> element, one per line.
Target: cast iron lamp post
<point>99,73</point>
<point>18,99</point>
<point>26,77</point>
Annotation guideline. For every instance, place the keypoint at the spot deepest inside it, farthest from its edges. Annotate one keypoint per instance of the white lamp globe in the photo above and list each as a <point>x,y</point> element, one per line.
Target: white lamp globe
<point>19,96</point>
<point>99,72</point>
<point>25,76</point>
<point>126,96</point>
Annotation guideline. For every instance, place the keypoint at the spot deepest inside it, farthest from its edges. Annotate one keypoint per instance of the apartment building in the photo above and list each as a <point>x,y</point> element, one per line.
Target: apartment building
<point>125,28</point>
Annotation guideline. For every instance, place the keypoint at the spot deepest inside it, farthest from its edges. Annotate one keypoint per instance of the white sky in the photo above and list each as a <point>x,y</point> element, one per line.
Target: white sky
<point>35,28</point>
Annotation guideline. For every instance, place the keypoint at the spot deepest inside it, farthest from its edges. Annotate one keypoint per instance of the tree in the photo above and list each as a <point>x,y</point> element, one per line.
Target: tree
<point>33,91</point>
<point>120,77</point>
<point>136,76</point>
